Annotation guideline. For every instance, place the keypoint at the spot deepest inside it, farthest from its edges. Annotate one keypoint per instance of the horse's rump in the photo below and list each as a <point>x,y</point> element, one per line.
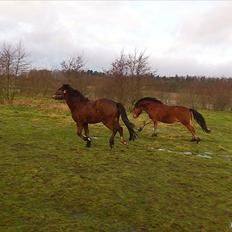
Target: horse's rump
<point>106,107</point>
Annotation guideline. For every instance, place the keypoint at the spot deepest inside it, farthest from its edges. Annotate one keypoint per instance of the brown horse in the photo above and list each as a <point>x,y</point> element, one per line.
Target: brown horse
<point>159,112</point>
<point>86,112</point>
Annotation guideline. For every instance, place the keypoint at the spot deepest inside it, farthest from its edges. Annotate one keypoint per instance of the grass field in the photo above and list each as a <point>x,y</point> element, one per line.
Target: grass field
<point>51,182</point>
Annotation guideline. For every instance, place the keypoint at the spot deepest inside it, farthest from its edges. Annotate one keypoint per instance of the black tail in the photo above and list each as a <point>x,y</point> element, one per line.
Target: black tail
<point>200,120</point>
<point>129,125</point>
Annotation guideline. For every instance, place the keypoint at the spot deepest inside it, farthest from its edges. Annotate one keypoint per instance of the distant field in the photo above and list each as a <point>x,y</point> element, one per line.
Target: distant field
<point>51,182</point>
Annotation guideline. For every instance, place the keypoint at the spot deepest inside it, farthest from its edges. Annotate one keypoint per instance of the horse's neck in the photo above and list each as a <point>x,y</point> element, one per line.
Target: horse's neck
<point>74,103</point>
<point>150,107</point>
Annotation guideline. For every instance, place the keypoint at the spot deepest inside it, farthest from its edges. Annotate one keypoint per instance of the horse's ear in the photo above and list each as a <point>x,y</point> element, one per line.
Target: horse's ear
<point>65,86</point>
<point>134,102</point>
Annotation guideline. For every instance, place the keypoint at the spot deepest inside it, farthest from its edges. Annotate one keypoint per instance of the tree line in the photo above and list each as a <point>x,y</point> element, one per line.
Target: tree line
<point>129,78</point>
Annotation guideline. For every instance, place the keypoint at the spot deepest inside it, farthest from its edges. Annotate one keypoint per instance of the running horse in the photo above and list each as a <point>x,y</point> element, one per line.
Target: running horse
<point>160,112</point>
<point>86,112</point>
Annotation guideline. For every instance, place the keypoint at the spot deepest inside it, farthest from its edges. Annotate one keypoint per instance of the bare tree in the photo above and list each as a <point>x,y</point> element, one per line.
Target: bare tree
<point>133,64</point>
<point>13,61</point>
<point>119,67</point>
<point>73,64</point>
<point>21,61</point>
<point>118,72</point>
<point>138,67</point>
<point>127,71</point>
<point>138,63</point>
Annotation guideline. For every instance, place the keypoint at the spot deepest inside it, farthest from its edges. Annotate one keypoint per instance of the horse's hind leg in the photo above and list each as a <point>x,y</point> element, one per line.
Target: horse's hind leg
<point>155,129</point>
<point>120,131</point>
<point>192,131</point>
<point>110,125</point>
<point>115,127</point>
<point>111,141</point>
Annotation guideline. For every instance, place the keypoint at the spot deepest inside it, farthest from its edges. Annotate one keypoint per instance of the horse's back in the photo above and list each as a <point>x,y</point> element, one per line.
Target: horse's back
<point>170,114</point>
<point>96,111</point>
<point>179,108</point>
<point>106,107</point>
<point>181,113</point>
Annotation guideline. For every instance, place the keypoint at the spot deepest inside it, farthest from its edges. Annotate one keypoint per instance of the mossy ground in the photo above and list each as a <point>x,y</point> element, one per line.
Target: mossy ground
<point>51,182</point>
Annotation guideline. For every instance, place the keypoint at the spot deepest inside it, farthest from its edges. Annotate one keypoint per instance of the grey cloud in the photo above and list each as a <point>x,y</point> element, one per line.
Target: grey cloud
<point>213,28</point>
<point>52,31</point>
<point>189,66</point>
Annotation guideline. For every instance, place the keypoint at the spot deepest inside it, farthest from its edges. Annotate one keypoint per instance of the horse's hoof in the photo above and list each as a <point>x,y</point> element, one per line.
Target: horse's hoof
<point>88,144</point>
<point>111,145</point>
<point>195,140</point>
<point>124,142</point>
<point>140,129</point>
<point>154,135</point>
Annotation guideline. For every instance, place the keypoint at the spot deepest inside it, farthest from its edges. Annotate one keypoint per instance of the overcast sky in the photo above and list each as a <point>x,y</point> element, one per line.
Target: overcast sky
<point>181,37</point>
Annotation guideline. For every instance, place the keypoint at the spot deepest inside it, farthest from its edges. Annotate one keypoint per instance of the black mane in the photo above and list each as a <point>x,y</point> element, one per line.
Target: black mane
<point>75,93</point>
<point>153,99</point>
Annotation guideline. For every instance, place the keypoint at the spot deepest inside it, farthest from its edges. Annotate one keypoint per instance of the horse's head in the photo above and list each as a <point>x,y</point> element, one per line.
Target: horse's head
<point>61,92</point>
<point>137,111</point>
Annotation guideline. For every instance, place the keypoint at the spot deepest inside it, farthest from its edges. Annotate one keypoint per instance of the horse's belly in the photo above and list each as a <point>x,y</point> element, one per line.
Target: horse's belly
<point>89,118</point>
<point>93,121</point>
<point>168,119</point>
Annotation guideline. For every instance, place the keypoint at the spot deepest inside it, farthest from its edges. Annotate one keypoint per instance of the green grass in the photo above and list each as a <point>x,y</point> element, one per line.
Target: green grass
<point>49,180</point>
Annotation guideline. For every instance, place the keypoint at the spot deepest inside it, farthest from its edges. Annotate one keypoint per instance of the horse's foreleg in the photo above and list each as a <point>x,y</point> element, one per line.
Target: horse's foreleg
<point>79,132</point>
<point>87,138</point>
<point>154,129</point>
<point>144,124</point>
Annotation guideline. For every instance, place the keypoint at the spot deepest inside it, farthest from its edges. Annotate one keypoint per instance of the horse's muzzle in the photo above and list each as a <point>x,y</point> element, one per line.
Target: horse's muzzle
<point>58,97</point>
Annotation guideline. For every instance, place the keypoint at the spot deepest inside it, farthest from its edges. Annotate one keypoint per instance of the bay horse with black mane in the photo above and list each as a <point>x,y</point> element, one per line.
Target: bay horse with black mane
<point>86,112</point>
<point>160,112</point>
